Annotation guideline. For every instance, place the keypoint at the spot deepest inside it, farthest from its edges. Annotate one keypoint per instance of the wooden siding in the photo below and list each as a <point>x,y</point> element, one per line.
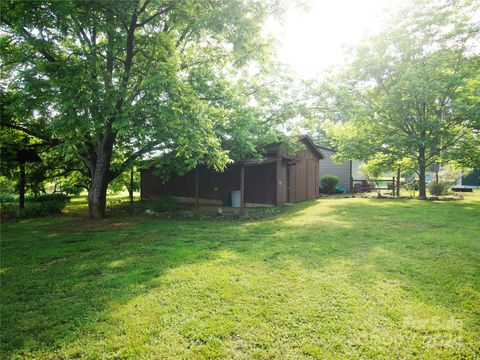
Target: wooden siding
<point>293,184</point>
<point>305,176</point>
<point>276,182</point>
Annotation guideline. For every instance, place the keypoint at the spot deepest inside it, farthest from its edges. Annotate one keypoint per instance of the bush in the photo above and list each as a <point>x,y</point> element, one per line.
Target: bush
<point>7,186</point>
<point>8,198</point>
<point>37,209</point>
<point>8,210</point>
<point>329,182</point>
<point>439,188</point>
<point>35,206</point>
<point>166,204</point>
<point>48,197</point>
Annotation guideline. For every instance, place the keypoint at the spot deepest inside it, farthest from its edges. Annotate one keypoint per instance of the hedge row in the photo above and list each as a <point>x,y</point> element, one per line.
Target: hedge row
<point>35,206</point>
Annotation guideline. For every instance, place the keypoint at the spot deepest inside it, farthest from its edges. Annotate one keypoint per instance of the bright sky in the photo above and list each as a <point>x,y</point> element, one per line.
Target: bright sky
<point>311,40</point>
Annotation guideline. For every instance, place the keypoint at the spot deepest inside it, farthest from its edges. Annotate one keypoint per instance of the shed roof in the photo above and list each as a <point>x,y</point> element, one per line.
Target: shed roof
<point>327,148</point>
<point>307,140</point>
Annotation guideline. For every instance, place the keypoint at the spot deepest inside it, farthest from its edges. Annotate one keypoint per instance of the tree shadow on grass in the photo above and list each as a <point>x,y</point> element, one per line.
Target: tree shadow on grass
<point>59,285</point>
<point>60,273</point>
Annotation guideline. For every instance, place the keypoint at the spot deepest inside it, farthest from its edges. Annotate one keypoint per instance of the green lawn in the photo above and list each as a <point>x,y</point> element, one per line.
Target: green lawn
<point>334,278</point>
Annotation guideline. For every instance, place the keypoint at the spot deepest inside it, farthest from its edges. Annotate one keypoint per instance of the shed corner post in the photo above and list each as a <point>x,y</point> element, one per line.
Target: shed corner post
<point>242,189</point>
<point>279,183</point>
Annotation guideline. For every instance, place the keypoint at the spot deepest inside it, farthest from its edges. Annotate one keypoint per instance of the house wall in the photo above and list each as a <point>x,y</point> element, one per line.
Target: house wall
<point>356,173</point>
<point>471,180</point>
<point>328,167</point>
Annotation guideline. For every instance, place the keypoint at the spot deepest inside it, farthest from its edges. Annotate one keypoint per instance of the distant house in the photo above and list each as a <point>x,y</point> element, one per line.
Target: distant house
<point>344,171</point>
<point>279,178</point>
<point>471,180</point>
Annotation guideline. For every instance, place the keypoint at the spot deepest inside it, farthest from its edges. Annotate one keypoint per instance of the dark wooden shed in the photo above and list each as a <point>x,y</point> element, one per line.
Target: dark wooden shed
<point>279,178</point>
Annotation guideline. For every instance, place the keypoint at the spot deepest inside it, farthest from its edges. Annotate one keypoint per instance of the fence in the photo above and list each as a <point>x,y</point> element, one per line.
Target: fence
<point>375,185</point>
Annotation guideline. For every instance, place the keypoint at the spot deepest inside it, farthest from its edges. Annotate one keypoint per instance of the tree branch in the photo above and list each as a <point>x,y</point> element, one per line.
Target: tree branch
<point>184,34</point>
<point>31,40</point>
<point>157,14</point>
<point>134,156</point>
<point>31,132</point>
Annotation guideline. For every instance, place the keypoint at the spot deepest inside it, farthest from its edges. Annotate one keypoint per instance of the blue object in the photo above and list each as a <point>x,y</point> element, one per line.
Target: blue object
<point>236,198</point>
<point>339,189</point>
<point>227,198</point>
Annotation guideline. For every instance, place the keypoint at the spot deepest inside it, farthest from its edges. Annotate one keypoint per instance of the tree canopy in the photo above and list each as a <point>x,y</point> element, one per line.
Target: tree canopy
<point>108,82</point>
<point>409,94</point>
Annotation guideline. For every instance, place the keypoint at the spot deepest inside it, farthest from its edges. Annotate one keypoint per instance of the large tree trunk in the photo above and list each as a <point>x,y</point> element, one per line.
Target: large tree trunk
<point>421,174</point>
<point>97,194</point>
<point>97,199</point>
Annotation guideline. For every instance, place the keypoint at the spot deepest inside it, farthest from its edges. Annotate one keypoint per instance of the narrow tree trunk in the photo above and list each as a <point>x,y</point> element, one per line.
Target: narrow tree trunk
<point>130,190</point>
<point>421,174</point>
<point>398,181</point>
<point>21,187</point>
<point>421,186</point>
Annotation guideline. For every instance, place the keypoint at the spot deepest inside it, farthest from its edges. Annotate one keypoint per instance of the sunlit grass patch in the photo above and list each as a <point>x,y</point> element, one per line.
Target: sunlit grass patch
<point>360,278</point>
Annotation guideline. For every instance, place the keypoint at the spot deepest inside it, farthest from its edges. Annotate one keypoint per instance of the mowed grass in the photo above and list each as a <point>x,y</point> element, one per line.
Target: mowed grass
<point>333,278</point>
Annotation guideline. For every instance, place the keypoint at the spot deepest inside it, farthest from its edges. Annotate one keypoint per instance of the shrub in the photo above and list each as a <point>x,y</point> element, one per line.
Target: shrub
<point>48,197</point>
<point>43,205</point>
<point>8,211</point>
<point>166,204</point>
<point>35,206</point>
<point>439,188</point>
<point>329,182</point>
<point>7,186</point>
<point>8,198</point>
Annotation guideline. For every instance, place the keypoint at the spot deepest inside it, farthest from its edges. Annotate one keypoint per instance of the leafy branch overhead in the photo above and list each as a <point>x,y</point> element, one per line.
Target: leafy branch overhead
<point>113,82</point>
